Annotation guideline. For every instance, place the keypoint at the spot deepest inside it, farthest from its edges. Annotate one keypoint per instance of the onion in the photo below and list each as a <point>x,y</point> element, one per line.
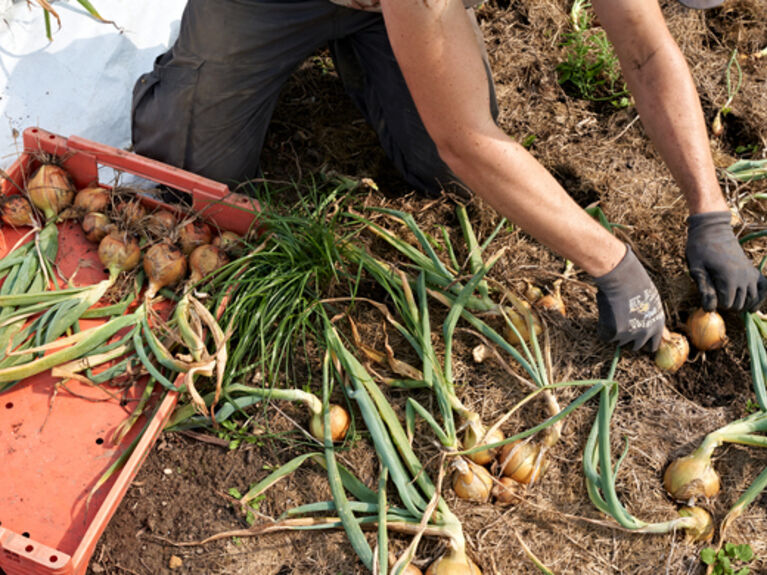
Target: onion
<point>230,243</point>
<point>552,302</point>
<point>161,221</point>
<point>132,212</point>
<point>17,211</point>
<point>505,491</point>
<point>520,322</point>
<point>164,265</point>
<point>690,477</point>
<point>204,260</point>
<point>453,563</point>
<point>519,461</point>
<point>51,190</point>
<point>339,424</point>
<point>194,234</point>
<point>472,438</point>
<point>703,530</point>
<point>92,199</point>
<point>412,570</point>
<point>706,330</point>
<point>672,352</point>
<point>472,481</point>
<point>96,226</point>
<point>119,253</point>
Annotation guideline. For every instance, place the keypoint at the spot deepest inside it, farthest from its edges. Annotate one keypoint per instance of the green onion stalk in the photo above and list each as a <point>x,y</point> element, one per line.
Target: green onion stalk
<point>444,285</point>
<point>52,313</point>
<point>270,295</point>
<point>415,489</point>
<point>601,475</point>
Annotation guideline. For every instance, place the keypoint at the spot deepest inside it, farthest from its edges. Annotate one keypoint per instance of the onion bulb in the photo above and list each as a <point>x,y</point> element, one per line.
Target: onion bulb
<point>672,352</point>
<point>17,211</point>
<point>132,212</point>
<point>119,253</point>
<point>505,491</point>
<point>520,322</point>
<point>471,481</point>
<point>51,190</point>
<point>472,438</point>
<point>96,226</point>
<point>706,330</point>
<point>164,265</point>
<point>161,222</point>
<point>703,529</point>
<point>204,260</point>
<point>230,243</point>
<point>519,461</point>
<point>691,477</point>
<point>553,303</point>
<point>453,563</point>
<point>339,424</point>
<point>91,199</point>
<point>194,234</point>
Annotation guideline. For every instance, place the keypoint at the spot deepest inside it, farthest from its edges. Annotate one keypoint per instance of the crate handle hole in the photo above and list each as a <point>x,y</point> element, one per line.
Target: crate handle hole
<point>51,137</point>
<point>53,558</point>
<point>99,441</point>
<point>9,405</point>
<point>29,548</point>
<point>25,534</point>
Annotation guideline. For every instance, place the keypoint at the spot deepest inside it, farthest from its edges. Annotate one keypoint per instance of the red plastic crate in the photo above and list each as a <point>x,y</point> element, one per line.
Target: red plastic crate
<point>55,446</point>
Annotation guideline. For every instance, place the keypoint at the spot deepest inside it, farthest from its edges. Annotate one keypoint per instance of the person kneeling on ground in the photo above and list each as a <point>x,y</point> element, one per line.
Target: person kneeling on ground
<point>419,74</point>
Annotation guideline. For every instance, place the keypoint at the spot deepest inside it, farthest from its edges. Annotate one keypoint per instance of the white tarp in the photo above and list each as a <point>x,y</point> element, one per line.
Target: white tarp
<point>81,83</point>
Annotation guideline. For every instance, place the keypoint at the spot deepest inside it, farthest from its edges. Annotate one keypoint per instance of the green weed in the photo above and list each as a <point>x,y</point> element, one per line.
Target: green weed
<point>728,559</point>
<point>591,68</point>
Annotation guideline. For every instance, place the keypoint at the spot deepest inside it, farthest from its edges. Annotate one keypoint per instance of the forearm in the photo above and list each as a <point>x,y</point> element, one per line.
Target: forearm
<point>659,78</point>
<point>436,48</point>
<point>504,174</point>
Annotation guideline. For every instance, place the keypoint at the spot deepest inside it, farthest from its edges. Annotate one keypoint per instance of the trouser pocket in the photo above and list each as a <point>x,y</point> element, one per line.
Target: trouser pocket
<point>163,107</point>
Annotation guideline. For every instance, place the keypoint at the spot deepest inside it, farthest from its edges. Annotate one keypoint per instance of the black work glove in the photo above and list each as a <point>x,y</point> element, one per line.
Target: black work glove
<point>724,274</point>
<point>630,311</point>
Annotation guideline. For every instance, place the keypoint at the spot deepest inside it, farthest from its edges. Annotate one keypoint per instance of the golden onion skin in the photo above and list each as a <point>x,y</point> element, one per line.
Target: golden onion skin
<point>165,265</point>
<point>486,455</point>
<point>132,213</point>
<point>97,226</point>
<point>672,352</point>
<point>453,564</point>
<point>412,570</point>
<point>703,531</point>
<point>520,322</point>
<point>518,461</point>
<point>339,424</point>
<point>119,253</point>
<point>91,199</point>
<point>161,222</point>
<point>230,243</point>
<point>552,303</point>
<point>194,234</point>
<point>505,491</point>
<point>706,330</point>
<point>51,190</point>
<point>472,482</point>
<point>691,477</point>
<point>17,211</point>
<point>205,259</point>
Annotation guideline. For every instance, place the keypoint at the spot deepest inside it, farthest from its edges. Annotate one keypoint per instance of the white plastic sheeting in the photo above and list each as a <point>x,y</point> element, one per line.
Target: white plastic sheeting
<point>81,83</point>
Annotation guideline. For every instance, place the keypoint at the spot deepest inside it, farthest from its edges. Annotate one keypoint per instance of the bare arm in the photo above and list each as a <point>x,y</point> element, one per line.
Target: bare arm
<point>436,48</point>
<point>659,78</point>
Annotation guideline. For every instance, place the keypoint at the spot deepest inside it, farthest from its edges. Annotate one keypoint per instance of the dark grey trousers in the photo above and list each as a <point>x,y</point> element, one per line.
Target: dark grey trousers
<point>207,103</point>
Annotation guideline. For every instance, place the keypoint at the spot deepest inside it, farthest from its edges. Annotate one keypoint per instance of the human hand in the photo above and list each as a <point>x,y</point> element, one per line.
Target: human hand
<point>630,311</point>
<point>726,277</point>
